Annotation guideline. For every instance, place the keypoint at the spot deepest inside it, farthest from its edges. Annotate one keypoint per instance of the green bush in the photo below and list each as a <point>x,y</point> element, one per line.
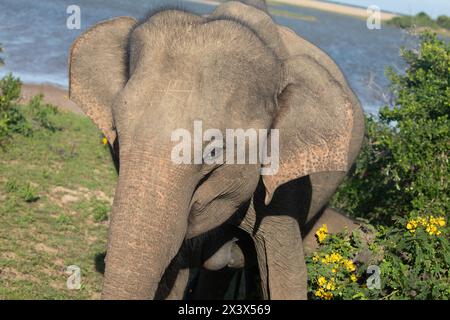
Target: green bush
<point>443,22</point>
<point>400,184</point>
<point>11,118</point>
<point>22,119</point>
<point>420,20</point>
<point>403,168</point>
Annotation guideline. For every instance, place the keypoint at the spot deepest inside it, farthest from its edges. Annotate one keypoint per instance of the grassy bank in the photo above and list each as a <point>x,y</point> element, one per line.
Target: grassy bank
<point>421,22</point>
<point>56,188</point>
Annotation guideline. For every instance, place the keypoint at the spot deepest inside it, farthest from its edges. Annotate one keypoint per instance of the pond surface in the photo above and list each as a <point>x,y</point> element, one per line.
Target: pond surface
<point>36,40</point>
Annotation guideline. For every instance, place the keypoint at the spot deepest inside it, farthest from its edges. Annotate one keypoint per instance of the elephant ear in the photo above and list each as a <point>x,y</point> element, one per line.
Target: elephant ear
<point>315,116</point>
<point>99,70</point>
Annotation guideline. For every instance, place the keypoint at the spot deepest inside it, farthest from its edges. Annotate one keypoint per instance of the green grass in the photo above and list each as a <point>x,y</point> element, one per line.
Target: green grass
<point>293,15</point>
<point>56,188</point>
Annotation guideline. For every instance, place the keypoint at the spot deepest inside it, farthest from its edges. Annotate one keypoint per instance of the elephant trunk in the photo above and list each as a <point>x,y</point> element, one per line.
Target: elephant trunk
<point>148,225</point>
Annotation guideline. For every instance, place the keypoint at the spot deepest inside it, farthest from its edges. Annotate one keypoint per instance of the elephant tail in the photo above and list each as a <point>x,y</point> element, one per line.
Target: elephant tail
<point>259,4</point>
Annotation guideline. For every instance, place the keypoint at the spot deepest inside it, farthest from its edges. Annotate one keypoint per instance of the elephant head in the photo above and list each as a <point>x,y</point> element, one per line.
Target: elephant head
<point>141,81</point>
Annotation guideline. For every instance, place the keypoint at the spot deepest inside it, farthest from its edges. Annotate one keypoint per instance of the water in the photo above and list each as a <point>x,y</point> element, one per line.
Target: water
<point>36,40</point>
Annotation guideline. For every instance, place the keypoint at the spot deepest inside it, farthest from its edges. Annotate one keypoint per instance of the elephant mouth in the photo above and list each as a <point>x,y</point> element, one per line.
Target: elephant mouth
<point>201,218</point>
<point>214,214</point>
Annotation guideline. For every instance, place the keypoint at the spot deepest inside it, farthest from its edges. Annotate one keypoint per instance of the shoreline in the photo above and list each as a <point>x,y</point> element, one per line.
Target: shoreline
<point>336,8</point>
<point>54,95</point>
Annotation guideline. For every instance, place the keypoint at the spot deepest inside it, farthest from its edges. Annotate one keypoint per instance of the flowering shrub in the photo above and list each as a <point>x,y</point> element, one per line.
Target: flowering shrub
<point>400,185</point>
<point>431,225</point>
<point>332,270</point>
<point>413,259</point>
<point>416,263</point>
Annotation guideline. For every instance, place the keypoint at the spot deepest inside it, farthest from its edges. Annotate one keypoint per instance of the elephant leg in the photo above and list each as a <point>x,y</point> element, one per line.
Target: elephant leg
<point>262,266</point>
<point>280,244</point>
<point>279,251</point>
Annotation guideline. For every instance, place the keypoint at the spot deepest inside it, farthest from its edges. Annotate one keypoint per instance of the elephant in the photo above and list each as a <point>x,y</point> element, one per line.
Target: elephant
<point>141,81</point>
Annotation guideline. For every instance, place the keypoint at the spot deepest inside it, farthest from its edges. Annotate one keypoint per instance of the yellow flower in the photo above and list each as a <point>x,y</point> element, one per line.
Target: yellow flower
<point>321,233</point>
<point>322,281</point>
<point>324,284</point>
<point>334,270</point>
<point>410,226</point>
<point>321,237</point>
<point>330,285</point>
<point>104,141</point>
<point>315,258</point>
<point>430,224</point>
<point>331,258</point>
<point>437,221</point>
<point>349,265</point>
<point>441,221</point>
<point>431,229</point>
<point>323,294</point>
<point>318,293</point>
<point>335,257</point>
<point>353,278</point>
<point>422,221</point>
<point>327,295</point>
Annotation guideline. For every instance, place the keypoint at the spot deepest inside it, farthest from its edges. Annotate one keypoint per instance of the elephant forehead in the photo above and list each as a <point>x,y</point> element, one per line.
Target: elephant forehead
<point>185,46</point>
<point>202,95</point>
<point>205,96</point>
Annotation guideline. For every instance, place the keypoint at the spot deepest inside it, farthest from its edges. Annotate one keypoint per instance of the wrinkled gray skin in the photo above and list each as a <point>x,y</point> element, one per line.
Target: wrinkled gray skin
<point>235,69</point>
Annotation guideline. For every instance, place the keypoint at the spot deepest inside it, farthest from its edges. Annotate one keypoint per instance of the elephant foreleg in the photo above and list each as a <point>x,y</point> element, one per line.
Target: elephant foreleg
<point>279,237</point>
<point>279,249</point>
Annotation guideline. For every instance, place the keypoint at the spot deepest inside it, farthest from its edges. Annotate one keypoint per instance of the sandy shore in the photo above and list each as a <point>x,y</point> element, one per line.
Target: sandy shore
<point>53,95</point>
<point>332,7</point>
<point>320,5</point>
